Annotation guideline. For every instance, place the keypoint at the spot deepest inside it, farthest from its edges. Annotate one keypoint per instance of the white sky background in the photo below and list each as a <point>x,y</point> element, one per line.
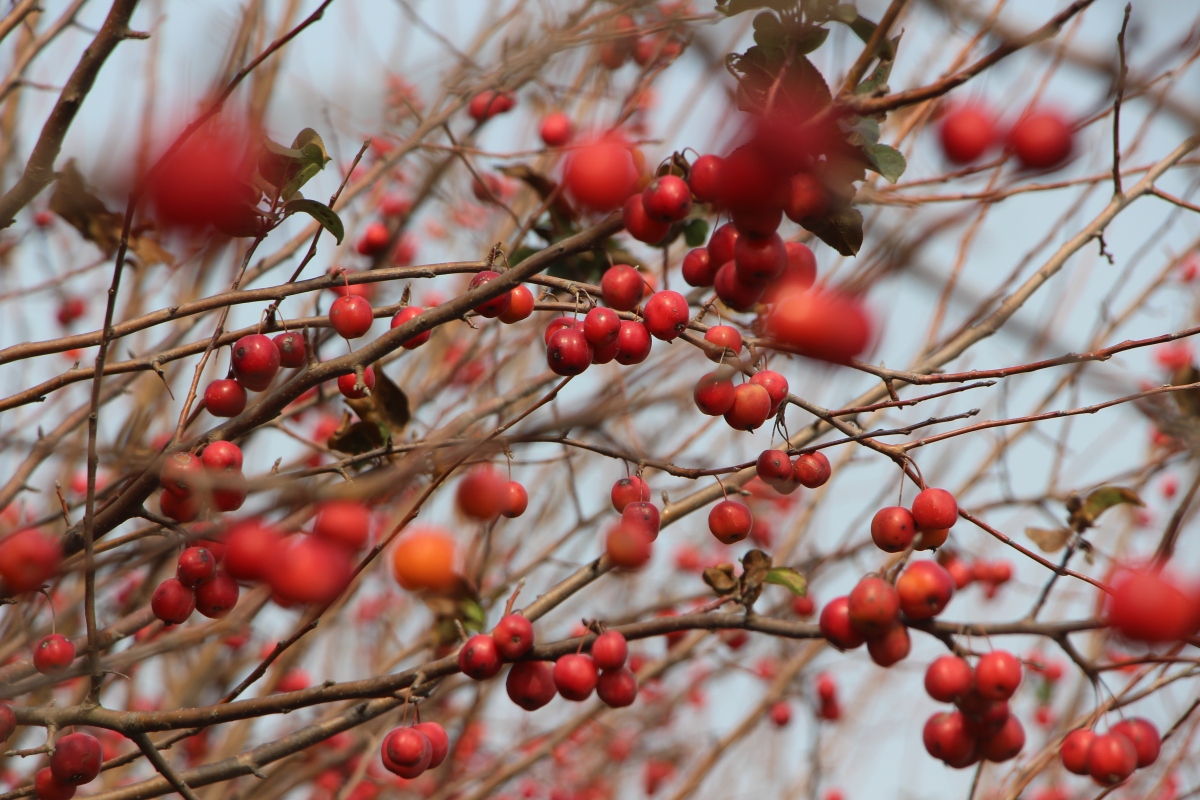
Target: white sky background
<point>336,71</point>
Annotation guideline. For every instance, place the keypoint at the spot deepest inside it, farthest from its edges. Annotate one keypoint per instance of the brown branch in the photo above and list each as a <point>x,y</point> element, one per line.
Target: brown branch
<point>859,69</point>
<point>1122,72</point>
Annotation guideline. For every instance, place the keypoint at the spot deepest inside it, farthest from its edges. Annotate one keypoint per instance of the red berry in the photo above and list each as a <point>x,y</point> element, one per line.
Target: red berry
<point>947,737</point>
<point>180,509</point>
<point>698,267</point>
<point>1111,759</point>
<point>629,490</point>
<point>893,529</point>
<point>874,606</point>
<point>730,521</point>
<point>601,327</point>
<point>343,522</point>
<point>948,678</point>
<point>1148,606</point>
<point>404,315</point>
<point>622,287</point>
<point>722,245</point>
<point>182,474</point>
<point>775,384</point>
<point>408,748</point>
<point>934,509</point>
<point>50,788</point>
<point>225,398</point>
<point>195,564</point>
<point>568,352</point>
<point>374,240</point>
<point>733,291</point>
<point>222,456</point>
<point>643,517</point>
<point>666,315</point>
<point>516,500</point>
<point>1005,744</point>
<point>966,134</point>
<point>781,713</point>
<point>891,647</point>
<point>8,721</point>
<point>559,324</point>
<point>28,559</point>
<point>53,654</point>
<point>293,352</point>
<point>704,178</point>
<point>514,636</point>
<point>1144,737</point>
<point>633,343</point>
<point>173,602</point>
<point>348,384</point>
<point>759,260</point>
<point>76,759</point>
<point>255,361</point>
<point>438,740</point>
<point>774,468</point>
<point>217,596</point>
<point>824,325</point>
<point>251,545</point>
<point>556,129</point>
<point>351,316</point>
<point>482,493</point>
<point>307,570</point>
<point>798,275</point>
<point>726,337</point>
<point>750,409</point>
<point>1074,750</point>
<point>520,305</point>
<point>639,224</point>
<point>714,394</point>
<point>601,175</point>
<point>530,684</point>
<point>836,626</point>
<point>811,469</point>
<point>1041,140</point>
<point>997,675</point>
<point>627,546</point>
<point>610,650</point>
<point>750,184</point>
<point>617,688</point>
<point>667,199</point>
<point>575,676</point>
<point>925,588</point>
<point>806,197</point>
<point>229,490</point>
<point>479,659</point>
<point>803,606</point>
<point>489,103</point>
<point>497,305</point>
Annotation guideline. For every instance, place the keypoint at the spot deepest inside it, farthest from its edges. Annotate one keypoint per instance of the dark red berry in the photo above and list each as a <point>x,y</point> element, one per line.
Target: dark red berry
<point>666,315</point>
<point>622,287</point>
<point>225,397</point>
<point>195,564</point>
<point>293,352</point>
<point>610,650</point>
<point>617,688</point>
<point>514,636</point>
<point>530,684</point>
<point>255,361</point>
<point>404,315</point>
<point>811,469</point>
<point>568,352</point>
<point>575,676</point>
<point>479,659</point>
<point>633,343</point>
<point>217,596</point>
<point>173,602</point>
<point>667,199</point>
<point>497,305</point>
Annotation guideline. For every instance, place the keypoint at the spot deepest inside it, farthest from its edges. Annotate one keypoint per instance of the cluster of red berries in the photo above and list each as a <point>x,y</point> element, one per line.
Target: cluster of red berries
<point>76,760</point>
<point>410,751</point>
<point>197,586</point>
<point>1041,139</point>
<point>212,480</point>
<point>934,511</point>
<point>781,473</point>
<point>255,360</point>
<point>484,494</point>
<point>871,612</point>
<point>828,707</point>
<point>745,406</point>
<point>1111,757</point>
<point>533,684</point>
<point>982,727</point>
<point>489,103</point>
<point>301,568</point>
<point>645,50</point>
<point>630,540</point>
<point>991,574</point>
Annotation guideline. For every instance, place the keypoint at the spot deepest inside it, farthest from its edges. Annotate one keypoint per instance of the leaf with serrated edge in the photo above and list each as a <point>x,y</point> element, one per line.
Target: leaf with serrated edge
<point>1049,540</point>
<point>789,579</point>
<point>887,161</point>
<point>322,213</point>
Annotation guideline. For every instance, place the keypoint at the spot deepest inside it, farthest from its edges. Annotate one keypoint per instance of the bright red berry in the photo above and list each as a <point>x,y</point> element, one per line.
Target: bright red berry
<point>28,559</point>
<point>714,394</point>
<point>667,199</point>
<point>404,315</point>
<point>967,133</point>
<point>182,474</point>
<point>775,384</point>
<point>343,522</point>
<point>639,224</point>
<point>76,759</point>
<point>836,626</point>
<point>497,305</point>
<point>195,564</point>
<point>733,291</point>
<point>759,259</point>
<point>890,647</point>
<point>617,688</point>
<point>874,606</point>
<point>600,175</point>
<point>173,602</point>
<point>438,740</point>
<point>293,352</point>
<point>730,521</point>
<point>925,588</point>
<point>811,469</point>
<point>50,788</point>
<point>698,267</point>
<point>1074,750</point>
<point>934,509</point>
<point>893,529</point>
<point>610,650</point>
<point>997,675</point>
<point>225,397</point>
<point>726,337</point>
<point>255,361</point>
<point>751,407</point>
<point>1111,759</point>
<point>520,305</point>
<point>530,684</point>
<point>622,287</point>
<point>479,659</point>
<point>350,387</point>
<point>666,315</point>
<point>575,676</point>
<point>250,547</point>
<point>1041,140</point>
<point>633,343</point>
<point>514,636</point>
<point>948,678</point>
<point>53,654</point>
<point>556,129</point>
<point>1144,737</point>
<point>601,326</point>
<point>482,493</point>
<point>629,490</point>
<point>217,596</point>
<point>222,456</point>
<point>704,178</point>
<point>516,500</point>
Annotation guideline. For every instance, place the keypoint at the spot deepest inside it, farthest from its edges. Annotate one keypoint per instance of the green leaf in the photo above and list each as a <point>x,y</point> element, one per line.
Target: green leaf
<point>810,39</point>
<point>322,213</point>
<point>1104,498</point>
<point>886,160</point>
<point>306,173</point>
<point>309,142</point>
<point>695,232</point>
<point>473,616</point>
<point>865,130</point>
<point>843,230</point>
<point>877,80</point>
<point>789,579</point>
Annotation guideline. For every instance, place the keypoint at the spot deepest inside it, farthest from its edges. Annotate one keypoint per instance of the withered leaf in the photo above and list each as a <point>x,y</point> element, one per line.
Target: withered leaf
<point>756,565</point>
<point>87,214</point>
<point>1049,540</point>
<point>1099,501</point>
<point>356,437</point>
<point>721,579</point>
<point>843,230</point>
<point>1187,400</point>
<point>386,406</point>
